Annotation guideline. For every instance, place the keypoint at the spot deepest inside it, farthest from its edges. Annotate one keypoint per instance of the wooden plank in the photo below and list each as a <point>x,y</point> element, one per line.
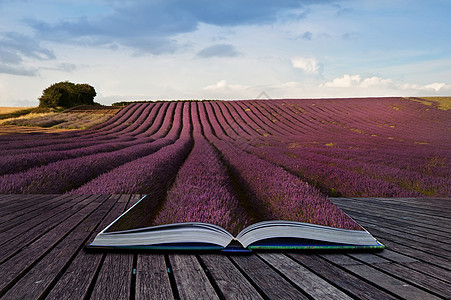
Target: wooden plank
<point>395,256</point>
<point>395,222</point>
<point>414,264</point>
<point>427,206</point>
<point>381,211</point>
<point>368,258</point>
<point>268,281</point>
<point>33,220</point>
<point>347,282</point>
<point>408,239</point>
<point>133,199</point>
<point>191,280</point>
<point>151,269</point>
<point>42,275</point>
<point>428,269</point>
<point>309,282</point>
<point>114,278</point>
<point>152,280</point>
<point>11,200</point>
<point>19,209</point>
<point>433,285</point>
<point>15,219</point>
<point>431,205</point>
<point>442,246</point>
<point>416,253</point>
<point>398,287</point>
<point>22,203</point>
<point>439,254</point>
<point>77,279</point>
<point>19,264</point>
<point>18,237</point>
<point>230,280</point>
<point>395,270</point>
<point>403,228</point>
<point>401,245</point>
<point>344,260</point>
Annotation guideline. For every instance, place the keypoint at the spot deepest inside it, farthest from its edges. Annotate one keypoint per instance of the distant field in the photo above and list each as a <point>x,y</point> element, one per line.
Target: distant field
<point>7,110</point>
<point>443,103</point>
<point>80,117</point>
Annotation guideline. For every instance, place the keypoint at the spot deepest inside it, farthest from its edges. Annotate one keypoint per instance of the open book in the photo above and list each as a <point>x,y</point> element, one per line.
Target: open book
<point>277,234</point>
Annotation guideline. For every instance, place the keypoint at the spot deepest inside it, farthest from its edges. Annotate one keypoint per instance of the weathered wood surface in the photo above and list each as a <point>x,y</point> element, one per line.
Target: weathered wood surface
<point>42,238</point>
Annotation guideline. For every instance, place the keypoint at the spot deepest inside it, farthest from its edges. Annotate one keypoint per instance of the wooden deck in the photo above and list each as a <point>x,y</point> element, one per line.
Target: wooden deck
<point>42,239</point>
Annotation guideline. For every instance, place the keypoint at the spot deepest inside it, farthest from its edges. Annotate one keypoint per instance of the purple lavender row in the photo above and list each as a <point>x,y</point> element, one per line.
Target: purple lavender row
<point>46,139</point>
<point>202,192</point>
<point>132,112</point>
<point>243,113</point>
<point>404,180</point>
<point>54,139</point>
<point>144,175</point>
<point>333,179</point>
<point>150,122</point>
<point>139,117</point>
<point>77,143</point>
<point>20,162</point>
<point>416,182</point>
<point>284,122</point>
<point>64,145</point>
<point>319,117</point>
<point>263,121</point>
<point>16,163</point>
<point>273,193</point>
<point>373,114</point>
<point>62,176</point>
<point>151,175</point>
<point>428,162</point>
<point>329,178</point>
<point>118,116</point>
<point>91,137</point>
<point>138,176</point>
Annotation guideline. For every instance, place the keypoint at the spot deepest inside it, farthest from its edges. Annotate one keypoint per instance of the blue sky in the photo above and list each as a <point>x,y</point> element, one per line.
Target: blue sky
<point>204,49</point>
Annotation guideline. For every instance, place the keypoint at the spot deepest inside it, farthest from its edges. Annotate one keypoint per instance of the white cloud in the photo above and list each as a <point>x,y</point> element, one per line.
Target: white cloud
<point>436,86</point>
<point>223,85</point>
<point>375,81</point>
<point>355,82</point>
<point>345,81</point>
<point>308,64</point>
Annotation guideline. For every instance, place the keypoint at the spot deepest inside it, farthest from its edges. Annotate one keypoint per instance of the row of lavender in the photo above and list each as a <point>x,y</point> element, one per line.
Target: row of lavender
<point>348,162</point>
<point>349,147</point>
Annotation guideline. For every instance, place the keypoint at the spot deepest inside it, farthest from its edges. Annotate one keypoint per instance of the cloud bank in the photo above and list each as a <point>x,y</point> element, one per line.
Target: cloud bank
<point>149,26</point>
<point>356,81</point>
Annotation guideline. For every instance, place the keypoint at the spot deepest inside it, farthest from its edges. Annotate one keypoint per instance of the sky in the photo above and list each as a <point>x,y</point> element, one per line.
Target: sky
<point>205,49</point>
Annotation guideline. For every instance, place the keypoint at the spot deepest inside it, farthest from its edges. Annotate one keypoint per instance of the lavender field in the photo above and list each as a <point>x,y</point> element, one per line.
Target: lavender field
<point>243,161</point>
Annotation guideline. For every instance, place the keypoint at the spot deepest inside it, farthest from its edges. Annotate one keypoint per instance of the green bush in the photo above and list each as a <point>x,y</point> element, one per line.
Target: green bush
<point>67,94</point>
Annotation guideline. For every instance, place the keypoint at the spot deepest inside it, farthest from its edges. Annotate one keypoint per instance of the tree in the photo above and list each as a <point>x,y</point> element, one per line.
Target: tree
<point>67,94</point>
